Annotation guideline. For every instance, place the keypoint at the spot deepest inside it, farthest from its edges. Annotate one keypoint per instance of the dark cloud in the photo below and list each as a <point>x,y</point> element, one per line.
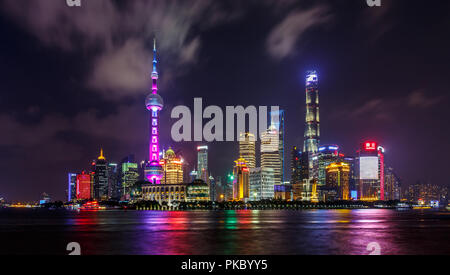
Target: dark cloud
<point>119,35</point>
<point>283,39</point>
<point>387,109</point>
<point>421,100</point>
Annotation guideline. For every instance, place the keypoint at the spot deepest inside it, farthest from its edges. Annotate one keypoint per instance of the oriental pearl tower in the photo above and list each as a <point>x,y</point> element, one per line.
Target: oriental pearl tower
<point>154,103</point>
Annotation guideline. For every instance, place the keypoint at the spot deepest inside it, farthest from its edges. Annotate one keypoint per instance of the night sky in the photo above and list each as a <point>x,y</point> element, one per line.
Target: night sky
<point>74,80</point>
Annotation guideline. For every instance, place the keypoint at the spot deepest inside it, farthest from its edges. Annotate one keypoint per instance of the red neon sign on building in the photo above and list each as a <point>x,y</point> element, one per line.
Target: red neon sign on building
<point>370,146</point>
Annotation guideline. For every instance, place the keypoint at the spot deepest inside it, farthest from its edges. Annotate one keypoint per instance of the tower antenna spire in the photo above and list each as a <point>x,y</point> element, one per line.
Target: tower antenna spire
<point>155,61</point>
<point>154,103</point>
<point>101,154</point>
<point>155,74</point>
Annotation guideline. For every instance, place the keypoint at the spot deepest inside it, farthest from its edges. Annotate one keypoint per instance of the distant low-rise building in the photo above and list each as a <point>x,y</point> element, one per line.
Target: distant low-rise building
<point>283,192</point>
<point>171,193</point>
<point>426,193</point>
<point>197,191</point>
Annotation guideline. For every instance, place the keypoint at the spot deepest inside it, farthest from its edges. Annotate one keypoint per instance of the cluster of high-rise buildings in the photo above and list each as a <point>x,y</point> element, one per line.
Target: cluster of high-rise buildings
<point>105,180</point>
<point>318,172</point>
<point>426,193</point>
<point>163,177</point>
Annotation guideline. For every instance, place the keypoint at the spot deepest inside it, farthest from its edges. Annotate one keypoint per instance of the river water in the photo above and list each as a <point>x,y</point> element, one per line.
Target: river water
<point>38,231</point>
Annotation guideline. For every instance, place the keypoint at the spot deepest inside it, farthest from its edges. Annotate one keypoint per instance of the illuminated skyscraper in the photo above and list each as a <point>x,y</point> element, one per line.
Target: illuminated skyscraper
<point>278,119</point>
<point>247,149</point>
<point>172,167</point>
<point>312,134</point>
<point>129,176</point>
<point>241,183</point>
<point>255,184</point>
<point>202,163</point>
<point>327,154</point>
<point>115,186</point>
<point>337,182</point>
<point>154,104</point>
<point>101,178</point>
<point>352,164</point>
<point>312,127</point>
<point>370,171</point>
<point>212,189</point>
<point>261,184</point>
<point>267,183</point>
<point>72,188</point>
<point>392,186</point>
<point>299,166</point>
<point>83,186</point>
<point>270,156</point>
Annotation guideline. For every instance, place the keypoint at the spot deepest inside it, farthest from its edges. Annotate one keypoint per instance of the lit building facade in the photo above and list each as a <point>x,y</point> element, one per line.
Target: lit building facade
<point>283,192</point>
<point>241,183</point>
<point>267,183</point>
<point>299,166</point>
<point>172,168</point>
<point>270,156</point>
<point>168,193</point>
<point>312,122</point>
<point>84,186</point>
<point>130,176</point>
<point>72,187</point>
<point>175,193</point>
<point>370,171</point>
<point>202,163</point>
<point>426,192</point>
<point>352,177</point>
<point>193,176</point>
<point>392,189</point>
<point>212,188</point>
<point>154,103</point>
<point>297,191</point>
<point>255,184</point>
<point>327,154</point>
<point>247,149</point>
<point>262,182</point>
<point>337,185</point>
<point>114,185</point>
<point>197,191</point>
<point>101,178</point>
<point>278,119</point>
<point>220,189</point>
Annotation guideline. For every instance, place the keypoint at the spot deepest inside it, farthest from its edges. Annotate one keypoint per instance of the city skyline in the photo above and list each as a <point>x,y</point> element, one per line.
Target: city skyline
<point>58,123</point>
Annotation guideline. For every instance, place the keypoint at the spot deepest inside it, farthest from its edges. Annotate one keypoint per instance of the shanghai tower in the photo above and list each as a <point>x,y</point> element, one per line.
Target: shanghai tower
<point>154,103</point>
<point>312,127</point>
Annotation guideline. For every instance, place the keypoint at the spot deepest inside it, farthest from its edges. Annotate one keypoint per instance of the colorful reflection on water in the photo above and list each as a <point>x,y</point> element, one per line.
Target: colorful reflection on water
<point>235,232</point>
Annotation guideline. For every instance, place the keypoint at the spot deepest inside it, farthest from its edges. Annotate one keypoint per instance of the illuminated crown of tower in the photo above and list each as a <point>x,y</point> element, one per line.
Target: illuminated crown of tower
<point>101,157</point>
<point>155,74</point>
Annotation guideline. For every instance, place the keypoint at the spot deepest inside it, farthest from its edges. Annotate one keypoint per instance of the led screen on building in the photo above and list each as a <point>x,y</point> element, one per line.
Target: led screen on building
<point>368,168</point>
